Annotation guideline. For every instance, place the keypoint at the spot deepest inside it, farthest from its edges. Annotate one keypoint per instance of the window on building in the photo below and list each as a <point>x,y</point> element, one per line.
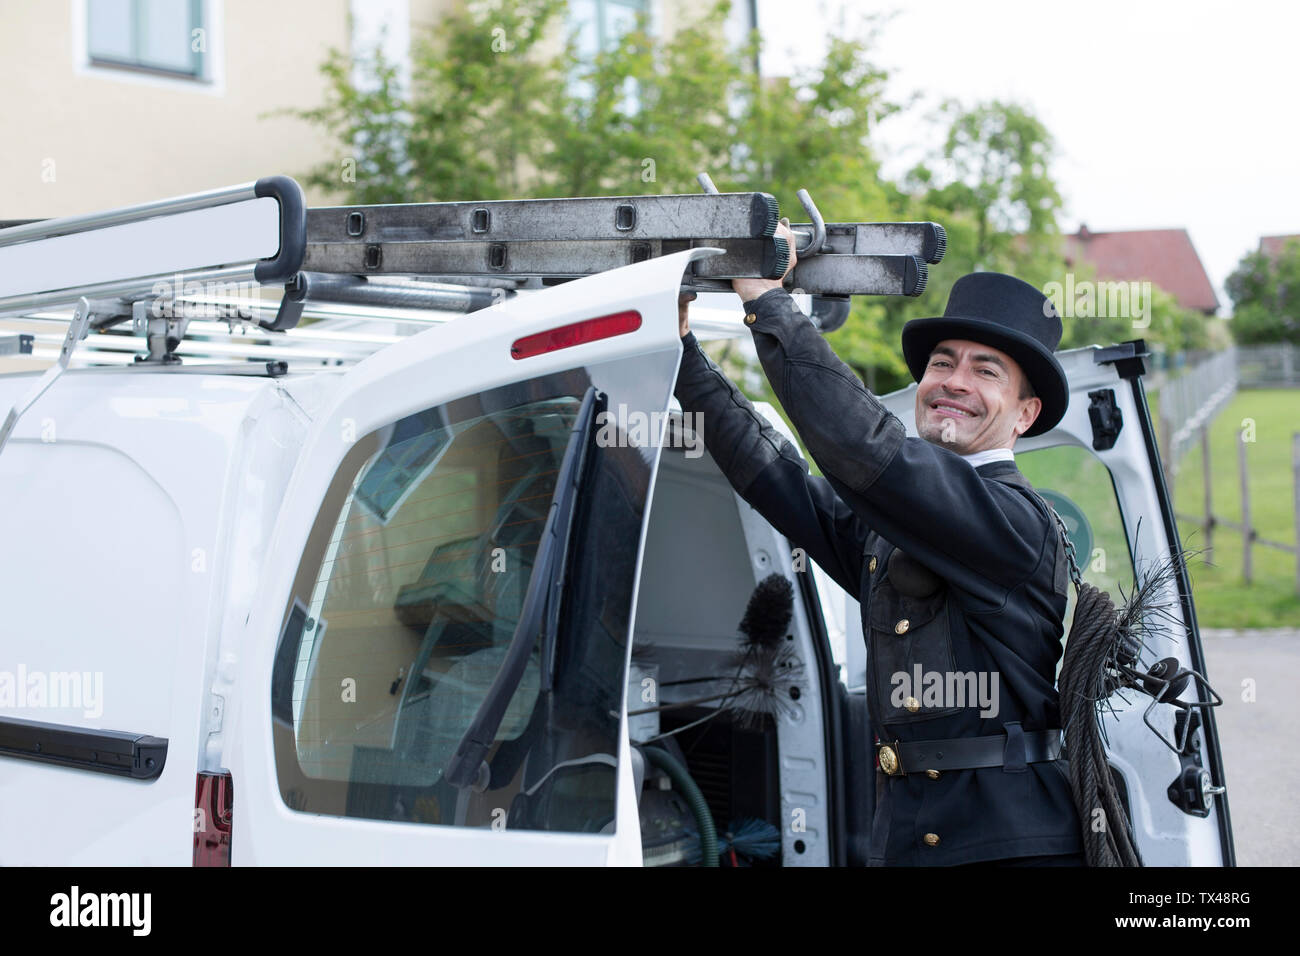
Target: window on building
<point>599,26</point>
<point>602,23</point>
<point>155,36</point>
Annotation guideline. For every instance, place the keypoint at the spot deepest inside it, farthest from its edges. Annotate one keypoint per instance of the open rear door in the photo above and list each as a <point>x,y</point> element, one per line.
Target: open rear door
<point>436,668</point>
<point>1100,469</point>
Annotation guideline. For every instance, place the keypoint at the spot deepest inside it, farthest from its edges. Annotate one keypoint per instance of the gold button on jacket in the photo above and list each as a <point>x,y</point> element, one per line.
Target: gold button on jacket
<point>902,626</point>
<point>931,839</point>
<point>888,760</point>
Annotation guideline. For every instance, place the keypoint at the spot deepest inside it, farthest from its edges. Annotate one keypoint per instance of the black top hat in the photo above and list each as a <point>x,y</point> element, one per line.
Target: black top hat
<point>1011,316</point>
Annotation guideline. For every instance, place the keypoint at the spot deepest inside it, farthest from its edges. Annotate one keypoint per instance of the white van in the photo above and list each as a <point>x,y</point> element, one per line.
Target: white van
<point>393,611</point>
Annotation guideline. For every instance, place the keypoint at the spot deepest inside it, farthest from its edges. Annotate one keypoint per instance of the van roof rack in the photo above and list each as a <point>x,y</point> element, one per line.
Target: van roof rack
<point>344,268</point>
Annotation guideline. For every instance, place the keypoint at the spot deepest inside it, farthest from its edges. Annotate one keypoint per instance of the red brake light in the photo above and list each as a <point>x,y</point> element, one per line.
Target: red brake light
<point>576,333</point>
<point>213,812</point>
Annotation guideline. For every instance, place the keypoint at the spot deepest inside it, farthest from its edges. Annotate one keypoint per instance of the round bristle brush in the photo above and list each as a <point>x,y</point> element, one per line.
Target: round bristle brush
<point>767,616</point>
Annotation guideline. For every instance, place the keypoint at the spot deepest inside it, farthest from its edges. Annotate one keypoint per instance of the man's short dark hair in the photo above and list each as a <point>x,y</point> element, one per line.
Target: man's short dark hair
<point>1026,389</point>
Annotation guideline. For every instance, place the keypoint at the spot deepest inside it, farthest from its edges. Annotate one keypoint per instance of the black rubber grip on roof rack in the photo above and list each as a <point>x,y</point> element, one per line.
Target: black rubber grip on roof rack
<point>764,216</point>
<point>293,229</point>
<point>776,258</point>
<point>915,276</point>
<point>936,243</point>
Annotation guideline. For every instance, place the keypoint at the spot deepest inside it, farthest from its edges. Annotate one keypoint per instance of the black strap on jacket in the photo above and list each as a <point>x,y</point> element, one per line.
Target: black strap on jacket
<point>1012,751</point>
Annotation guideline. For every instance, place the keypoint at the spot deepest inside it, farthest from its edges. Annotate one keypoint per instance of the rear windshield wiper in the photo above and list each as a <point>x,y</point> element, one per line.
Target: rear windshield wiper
<point>468,765</point>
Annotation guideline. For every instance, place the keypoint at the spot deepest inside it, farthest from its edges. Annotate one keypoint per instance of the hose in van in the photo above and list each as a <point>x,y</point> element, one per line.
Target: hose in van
<point>681,778</point>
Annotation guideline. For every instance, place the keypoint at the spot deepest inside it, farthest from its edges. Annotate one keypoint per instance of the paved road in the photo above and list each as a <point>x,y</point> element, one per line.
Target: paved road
<point>1260,739</point>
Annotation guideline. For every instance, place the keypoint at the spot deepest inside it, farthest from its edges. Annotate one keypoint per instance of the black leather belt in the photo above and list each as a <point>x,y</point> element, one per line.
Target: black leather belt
<point>1011,751</point>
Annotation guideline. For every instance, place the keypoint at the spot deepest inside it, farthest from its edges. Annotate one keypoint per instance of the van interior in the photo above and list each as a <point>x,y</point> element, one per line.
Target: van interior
<point>696,581</point>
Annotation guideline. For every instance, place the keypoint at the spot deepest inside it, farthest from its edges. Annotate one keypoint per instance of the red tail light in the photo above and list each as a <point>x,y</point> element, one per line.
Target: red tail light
<point>576,333</point>
<point>213,811</point>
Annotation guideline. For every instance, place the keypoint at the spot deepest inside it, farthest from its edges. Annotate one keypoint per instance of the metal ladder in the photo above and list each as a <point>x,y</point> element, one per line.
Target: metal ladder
<point>208,255</point>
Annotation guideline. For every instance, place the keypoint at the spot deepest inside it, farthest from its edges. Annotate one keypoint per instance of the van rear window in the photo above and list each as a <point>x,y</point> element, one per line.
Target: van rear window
<point>409,594</point>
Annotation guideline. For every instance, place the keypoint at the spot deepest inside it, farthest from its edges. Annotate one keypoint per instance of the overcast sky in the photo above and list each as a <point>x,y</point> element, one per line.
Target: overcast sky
<point>1165,114</point>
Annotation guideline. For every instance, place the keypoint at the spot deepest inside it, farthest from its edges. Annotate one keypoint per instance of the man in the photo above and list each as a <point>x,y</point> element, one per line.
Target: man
<point>957,563</point>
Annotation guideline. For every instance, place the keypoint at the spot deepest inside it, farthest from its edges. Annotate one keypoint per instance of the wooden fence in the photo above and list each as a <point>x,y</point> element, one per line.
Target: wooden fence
<point>1188,405</point>
<point>1250,535</point>
<point>1190,401</point>
<point>1268,366</point>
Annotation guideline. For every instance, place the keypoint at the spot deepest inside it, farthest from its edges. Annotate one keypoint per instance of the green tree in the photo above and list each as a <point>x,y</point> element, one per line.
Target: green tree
<point>814,130</point>
<point>498,108</point>
<point>494,107</point>
<point>646,115</point>
<point>1177,328</point>
<point>493,110</point>
<point>1000,156</point>
<point>1265,293</point>
<point>989,184</point>
<point>466,127</point>
<point>1157,317</point>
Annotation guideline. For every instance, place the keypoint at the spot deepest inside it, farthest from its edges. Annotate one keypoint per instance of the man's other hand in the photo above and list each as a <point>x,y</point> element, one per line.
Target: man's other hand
<point>749,289</point>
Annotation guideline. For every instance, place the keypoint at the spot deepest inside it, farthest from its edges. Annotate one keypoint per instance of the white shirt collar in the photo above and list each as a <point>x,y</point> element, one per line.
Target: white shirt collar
<point>989,455</point>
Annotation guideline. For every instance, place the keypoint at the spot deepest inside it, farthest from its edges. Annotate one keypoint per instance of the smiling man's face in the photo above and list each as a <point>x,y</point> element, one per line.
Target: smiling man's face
<point>973,398</point>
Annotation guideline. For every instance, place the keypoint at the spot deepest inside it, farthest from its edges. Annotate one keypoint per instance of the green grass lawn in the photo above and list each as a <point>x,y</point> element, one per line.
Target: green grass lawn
<point>1222,597</point>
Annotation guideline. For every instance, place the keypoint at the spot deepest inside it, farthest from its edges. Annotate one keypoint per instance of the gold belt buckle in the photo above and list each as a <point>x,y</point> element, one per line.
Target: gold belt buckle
<point>887,755</point>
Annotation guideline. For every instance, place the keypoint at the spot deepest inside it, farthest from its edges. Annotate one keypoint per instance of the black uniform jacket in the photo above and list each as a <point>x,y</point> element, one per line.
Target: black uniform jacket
<point>968,558</point>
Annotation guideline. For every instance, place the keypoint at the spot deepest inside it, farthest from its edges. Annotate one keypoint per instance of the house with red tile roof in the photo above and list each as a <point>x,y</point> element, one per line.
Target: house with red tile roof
<point>1272,246</point>
<point>1164,257</point>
